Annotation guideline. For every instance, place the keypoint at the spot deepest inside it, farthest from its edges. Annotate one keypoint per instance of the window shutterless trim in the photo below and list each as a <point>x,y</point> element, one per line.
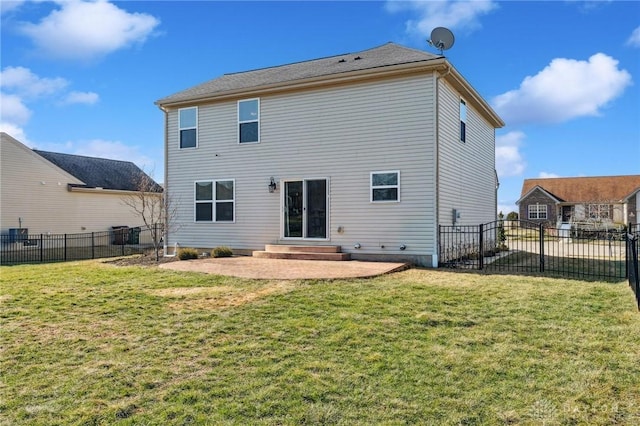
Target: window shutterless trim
<point>463,120</point>
<point>214,201</point>
<point>373,187</point>
<point>241,122</point>
<point>534,211</point>
<point>182,128</point>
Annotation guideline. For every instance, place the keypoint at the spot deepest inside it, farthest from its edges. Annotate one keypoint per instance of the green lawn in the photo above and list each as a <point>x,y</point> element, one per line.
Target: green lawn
<point>87,343</point>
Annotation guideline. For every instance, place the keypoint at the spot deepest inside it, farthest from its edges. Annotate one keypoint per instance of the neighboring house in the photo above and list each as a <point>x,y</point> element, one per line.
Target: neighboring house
<point>589,201</point>
<point>369,151</point>
<point>47,192</point>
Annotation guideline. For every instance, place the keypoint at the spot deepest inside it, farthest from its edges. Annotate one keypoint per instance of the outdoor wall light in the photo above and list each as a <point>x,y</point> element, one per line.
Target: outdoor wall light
<point>403,247</point>
<point>272,185</point>
<point>357,246</point>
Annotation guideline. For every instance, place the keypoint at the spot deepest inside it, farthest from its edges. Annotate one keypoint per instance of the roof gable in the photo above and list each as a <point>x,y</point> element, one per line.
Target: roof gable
<point>99,172</point>
<point>25,154</point>
<point>538,189</point>
<point>610,189</point>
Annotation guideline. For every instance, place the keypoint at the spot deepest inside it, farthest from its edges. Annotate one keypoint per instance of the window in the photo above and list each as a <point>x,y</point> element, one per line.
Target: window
<point>537,211</point>
<point>188,126</point>
<point>463,121</point>
<point>249,121</point>
<point>599,211</point>
<point>215,201</point>
<point>385,186</point>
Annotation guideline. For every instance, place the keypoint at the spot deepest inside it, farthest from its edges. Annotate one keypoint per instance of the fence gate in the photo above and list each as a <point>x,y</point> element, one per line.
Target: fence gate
<point>527,247</point>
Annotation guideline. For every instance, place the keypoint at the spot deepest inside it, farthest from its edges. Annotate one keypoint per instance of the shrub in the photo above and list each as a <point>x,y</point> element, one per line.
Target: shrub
<point>187,253</point>
<point>222,251</point>
<point>512,216</point>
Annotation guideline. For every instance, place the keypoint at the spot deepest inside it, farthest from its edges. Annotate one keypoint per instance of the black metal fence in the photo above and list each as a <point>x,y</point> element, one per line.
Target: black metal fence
<point>18,247</point>
<point>633,249</point>
<point>527,247</point>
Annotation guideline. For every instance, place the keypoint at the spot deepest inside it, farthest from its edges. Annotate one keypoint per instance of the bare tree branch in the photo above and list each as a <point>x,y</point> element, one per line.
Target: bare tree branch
<point>152,205</point>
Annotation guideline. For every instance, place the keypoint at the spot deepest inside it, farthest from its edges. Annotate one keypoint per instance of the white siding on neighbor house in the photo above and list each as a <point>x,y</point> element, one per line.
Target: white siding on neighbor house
<point>339,133</point>
<point>34,195</point>
<point>467,179</point>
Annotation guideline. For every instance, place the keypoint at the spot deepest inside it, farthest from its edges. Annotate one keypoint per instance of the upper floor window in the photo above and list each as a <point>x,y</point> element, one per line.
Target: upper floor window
<point>215,201</point>
<point>537,211</point>
<point>385,186</point>
<point>463,121</point>
<point>188,127</point>
<point>249,121</point>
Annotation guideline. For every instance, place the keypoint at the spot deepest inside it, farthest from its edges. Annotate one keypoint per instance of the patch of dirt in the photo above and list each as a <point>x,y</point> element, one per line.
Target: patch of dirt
<point>148,258</point>
<point>220,297</point>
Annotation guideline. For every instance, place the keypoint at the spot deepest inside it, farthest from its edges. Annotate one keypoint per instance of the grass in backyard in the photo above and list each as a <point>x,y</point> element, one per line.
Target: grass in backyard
<point>91,343</point>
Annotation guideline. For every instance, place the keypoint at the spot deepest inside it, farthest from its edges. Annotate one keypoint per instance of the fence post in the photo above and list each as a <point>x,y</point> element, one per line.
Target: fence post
<point>156,241</point>
<point>481,242</point>
<point>632,266</point>
<point>93,246</point>
<point>541,239</point>
<point>65,247</point>
<point>41,248</point>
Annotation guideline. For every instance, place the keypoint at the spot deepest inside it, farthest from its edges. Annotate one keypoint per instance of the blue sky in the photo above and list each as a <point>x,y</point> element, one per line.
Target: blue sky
<point>82,76</point>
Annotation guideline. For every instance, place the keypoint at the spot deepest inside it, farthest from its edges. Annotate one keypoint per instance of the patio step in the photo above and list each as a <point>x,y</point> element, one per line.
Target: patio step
<point>278,251</point>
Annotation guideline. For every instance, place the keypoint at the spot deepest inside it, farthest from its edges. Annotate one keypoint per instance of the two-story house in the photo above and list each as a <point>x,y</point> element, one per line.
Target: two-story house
<point>369,151</point>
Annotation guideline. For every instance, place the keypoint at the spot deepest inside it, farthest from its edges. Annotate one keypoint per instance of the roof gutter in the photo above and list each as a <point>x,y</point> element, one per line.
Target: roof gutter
<point>98,190</point>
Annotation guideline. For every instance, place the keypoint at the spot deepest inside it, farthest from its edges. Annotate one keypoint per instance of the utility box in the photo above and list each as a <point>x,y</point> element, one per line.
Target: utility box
<point>455,216</point>
<point>120,235</point>
<point>18,235</point>
<point>134,235</point>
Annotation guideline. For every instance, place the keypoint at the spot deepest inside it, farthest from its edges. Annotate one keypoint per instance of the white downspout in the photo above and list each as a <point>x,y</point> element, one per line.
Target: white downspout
<point>166,179</point>
<point>434,261</point>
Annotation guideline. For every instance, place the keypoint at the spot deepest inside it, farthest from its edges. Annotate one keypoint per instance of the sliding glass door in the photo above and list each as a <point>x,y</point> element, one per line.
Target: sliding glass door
<point>305,208</point>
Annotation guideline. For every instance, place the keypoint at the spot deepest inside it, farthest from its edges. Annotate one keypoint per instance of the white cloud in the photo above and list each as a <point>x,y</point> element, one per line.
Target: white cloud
<point>450,14</point>
<point>88,98</point>
<point>565,89</point>
<point>8,5</point>
<point>16,132</point>
<point>548,175</point>
<point>634,39</point>
<point>114,150</point>
<point>85,30</point>
<point>14,111</point>
<point>22,81</point>
<point>509,161</point>
<point>21,87</point>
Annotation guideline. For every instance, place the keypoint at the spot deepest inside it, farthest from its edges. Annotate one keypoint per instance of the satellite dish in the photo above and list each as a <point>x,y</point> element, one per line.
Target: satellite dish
<point>441,38</point>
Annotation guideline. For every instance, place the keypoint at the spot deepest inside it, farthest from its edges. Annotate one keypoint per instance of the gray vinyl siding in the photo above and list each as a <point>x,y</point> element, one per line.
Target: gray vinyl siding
<point>340,133</point>
<point>466,169</point>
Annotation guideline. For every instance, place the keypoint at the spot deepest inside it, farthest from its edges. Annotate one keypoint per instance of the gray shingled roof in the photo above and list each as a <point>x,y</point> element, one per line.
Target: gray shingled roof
<point>386,55</point>
<point>99,172</point>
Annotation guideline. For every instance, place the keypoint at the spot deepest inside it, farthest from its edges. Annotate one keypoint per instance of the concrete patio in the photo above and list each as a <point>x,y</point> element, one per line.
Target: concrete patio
<point>285,269</point>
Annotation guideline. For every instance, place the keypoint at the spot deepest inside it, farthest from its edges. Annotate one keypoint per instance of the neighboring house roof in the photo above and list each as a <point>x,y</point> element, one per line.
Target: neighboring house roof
<point>390,57</point>
<point>596,189</point>
<point>99,172</point>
